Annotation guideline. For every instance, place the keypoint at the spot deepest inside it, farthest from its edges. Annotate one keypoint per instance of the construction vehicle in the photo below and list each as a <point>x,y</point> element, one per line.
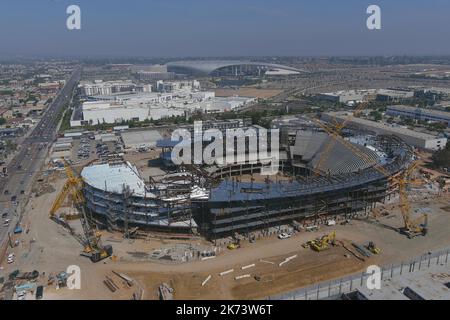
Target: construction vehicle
<point>373,248</point>
<point>411,228</point>
<point>90,239</point>
<point>233,246</point>
<point>236,243</point>
<point>322,243</point>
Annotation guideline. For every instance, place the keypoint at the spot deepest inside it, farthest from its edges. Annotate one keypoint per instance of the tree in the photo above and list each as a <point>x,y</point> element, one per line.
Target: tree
<point>441,158</point>
<point>376,115</point>
<point>2,121</point>
<point>11,145</point>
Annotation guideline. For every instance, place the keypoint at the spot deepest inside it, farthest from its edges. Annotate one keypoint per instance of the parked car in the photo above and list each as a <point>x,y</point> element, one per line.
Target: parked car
<point>10,258</point>
<point>284,235</point>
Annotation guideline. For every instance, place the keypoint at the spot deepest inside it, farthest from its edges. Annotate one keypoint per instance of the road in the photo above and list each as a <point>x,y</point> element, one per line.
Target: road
<point>30,157</point>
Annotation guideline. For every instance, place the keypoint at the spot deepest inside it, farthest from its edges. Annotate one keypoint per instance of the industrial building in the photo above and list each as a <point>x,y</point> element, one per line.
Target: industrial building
<point>414,138</point>
<point>355,96</point>
<point>419,114</point>
<point>347,96</point>
<point>177,98</point>
<point>98,87</point>
<point>106,112</point>
<point>155,76</point>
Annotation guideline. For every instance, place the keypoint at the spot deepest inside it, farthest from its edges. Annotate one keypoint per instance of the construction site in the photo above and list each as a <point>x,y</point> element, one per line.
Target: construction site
<point>140,227</point>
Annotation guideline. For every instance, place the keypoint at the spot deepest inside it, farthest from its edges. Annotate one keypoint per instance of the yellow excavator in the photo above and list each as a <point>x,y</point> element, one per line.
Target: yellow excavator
<point>91,240</point>
<point>321,244</point>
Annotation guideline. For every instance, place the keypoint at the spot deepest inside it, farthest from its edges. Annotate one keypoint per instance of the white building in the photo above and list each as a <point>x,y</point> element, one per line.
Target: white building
<point>176,98</point>
<point>106,112</point>
<point>355,96</point>
<point>414,138</point>
<point>98,87</point>
<point>419,114</point>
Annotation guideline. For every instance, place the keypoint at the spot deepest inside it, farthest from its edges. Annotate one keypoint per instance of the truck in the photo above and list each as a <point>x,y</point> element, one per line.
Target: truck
<point>27,275</point>
<point>18,230</point>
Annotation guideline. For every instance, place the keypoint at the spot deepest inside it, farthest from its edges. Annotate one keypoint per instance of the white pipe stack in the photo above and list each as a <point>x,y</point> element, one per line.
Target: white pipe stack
<point>207,258</point>
<point>248,266</point>
<point>287,260</point>
<point>226,272</point>
<point>206,280</point>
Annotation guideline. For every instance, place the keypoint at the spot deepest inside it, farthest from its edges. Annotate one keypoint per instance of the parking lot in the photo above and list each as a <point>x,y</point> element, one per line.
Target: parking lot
<point>87,149</point>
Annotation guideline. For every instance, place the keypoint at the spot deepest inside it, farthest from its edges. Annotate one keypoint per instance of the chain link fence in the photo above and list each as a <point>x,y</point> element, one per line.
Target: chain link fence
<point>335,288</point>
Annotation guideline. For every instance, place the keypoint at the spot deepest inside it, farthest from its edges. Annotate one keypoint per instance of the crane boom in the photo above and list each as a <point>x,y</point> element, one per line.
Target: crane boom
<point>90,238</point>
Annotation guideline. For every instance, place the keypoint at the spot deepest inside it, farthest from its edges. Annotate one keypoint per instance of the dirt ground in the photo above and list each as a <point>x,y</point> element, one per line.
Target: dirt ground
<point>273,279</point>
<point>47,247</point>
<point>247,92</point>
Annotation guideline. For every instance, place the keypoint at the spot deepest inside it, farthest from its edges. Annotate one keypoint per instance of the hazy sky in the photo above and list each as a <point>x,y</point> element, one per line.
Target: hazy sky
<point>171,28</point>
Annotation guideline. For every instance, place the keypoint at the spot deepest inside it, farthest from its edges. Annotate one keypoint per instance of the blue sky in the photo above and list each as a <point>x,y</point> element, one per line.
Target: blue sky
<point>174,28</point>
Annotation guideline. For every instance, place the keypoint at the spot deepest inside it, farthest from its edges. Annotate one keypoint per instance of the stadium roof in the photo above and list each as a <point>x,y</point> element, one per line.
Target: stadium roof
<point>113,178</point>
<point>206,67</point>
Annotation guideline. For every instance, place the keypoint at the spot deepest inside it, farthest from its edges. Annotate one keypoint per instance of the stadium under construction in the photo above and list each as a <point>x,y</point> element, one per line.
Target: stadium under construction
<point>318,179</point>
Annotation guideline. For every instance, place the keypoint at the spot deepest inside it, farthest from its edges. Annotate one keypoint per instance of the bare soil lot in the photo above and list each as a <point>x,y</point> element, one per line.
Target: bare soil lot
<point>248,92</point>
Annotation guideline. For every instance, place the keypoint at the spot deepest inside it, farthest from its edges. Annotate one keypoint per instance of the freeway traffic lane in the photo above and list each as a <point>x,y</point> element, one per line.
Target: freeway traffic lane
<point>30,157</point>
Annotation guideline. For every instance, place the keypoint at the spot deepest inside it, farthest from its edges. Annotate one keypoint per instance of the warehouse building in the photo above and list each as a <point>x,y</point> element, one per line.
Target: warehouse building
<point>419,114</point>
<point>354,96</point>
<point>414,138</point>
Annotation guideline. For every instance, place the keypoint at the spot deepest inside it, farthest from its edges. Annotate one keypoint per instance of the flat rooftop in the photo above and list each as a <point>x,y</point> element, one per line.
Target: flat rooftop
<point>342,115</point>
<point>143,137</point>
<point>428,284</point>
<point>438,113</point>
<point>113,178</point>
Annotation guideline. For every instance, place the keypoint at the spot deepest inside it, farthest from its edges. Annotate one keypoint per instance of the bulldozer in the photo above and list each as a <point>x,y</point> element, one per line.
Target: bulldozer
<point>373,248</point>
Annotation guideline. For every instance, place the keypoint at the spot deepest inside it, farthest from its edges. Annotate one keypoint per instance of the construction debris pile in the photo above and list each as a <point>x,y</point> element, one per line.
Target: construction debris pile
<point>180,253</point>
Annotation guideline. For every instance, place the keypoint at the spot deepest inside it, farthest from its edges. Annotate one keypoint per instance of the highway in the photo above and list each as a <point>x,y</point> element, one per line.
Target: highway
<point>30,157</point>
